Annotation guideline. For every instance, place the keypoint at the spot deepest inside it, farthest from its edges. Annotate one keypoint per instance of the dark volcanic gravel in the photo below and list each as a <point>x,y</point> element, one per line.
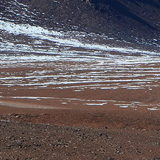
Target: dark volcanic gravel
<point>42,141</point>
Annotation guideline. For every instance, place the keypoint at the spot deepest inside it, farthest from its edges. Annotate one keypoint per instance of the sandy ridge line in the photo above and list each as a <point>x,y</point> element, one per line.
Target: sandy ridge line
<point>27,105</point>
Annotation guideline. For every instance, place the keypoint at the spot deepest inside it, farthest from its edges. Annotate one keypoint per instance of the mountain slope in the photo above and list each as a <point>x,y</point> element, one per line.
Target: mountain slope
<point>135,21</point>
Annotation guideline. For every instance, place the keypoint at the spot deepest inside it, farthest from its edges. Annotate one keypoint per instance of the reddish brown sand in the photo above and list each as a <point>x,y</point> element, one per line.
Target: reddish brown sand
<point>74,125</point>
<point>93,133</point>
<point>79,134</point>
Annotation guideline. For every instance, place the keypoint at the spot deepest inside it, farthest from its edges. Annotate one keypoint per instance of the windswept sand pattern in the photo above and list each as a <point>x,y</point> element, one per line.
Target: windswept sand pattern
<point>114,80</point>
<point>74,69</point>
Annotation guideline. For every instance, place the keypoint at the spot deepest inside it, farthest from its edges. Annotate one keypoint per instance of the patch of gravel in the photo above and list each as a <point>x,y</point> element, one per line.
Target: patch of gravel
<point>42,141</point>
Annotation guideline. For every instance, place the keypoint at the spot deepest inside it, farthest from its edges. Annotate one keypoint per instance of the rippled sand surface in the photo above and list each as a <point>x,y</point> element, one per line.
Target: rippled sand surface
<point>84,81</point>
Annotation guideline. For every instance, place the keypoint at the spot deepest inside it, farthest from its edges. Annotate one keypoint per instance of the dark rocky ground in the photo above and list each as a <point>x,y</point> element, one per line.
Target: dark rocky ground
<point>41,136</point>
<point>41,141</point>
